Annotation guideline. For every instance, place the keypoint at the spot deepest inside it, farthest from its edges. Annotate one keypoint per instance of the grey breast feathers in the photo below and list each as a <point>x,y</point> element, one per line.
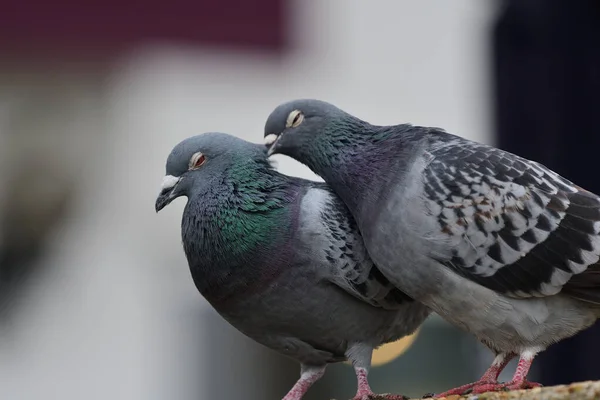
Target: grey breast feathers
<point>332,232</point>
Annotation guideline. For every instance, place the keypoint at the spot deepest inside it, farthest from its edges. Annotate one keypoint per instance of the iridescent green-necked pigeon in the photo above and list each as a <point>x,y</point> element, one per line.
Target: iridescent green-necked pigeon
<point>281,260</point>
<point>498,245</point>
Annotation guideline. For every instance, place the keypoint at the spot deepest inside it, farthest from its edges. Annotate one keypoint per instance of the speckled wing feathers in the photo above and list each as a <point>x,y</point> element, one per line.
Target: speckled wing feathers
<point>351,268</point>
<point>515,226</point>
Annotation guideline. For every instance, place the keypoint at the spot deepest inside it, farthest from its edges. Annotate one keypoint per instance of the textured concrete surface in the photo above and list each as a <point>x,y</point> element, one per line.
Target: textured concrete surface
<point>589,390</point>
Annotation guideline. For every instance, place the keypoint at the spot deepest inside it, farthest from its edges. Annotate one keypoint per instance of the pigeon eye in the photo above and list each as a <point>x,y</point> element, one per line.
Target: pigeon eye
<point>197,160</point>
<point>294,119</point>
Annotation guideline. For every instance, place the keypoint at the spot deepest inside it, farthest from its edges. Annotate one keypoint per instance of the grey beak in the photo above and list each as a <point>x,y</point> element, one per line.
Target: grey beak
<point>271,142</point>
<point>163,199</point>
<point>166,194</point>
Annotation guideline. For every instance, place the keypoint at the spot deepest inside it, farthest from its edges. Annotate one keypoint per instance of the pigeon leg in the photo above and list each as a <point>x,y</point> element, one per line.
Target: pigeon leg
<point>360,355</point>
<point>309,374</point>
<point>519,378</point>
<point>364,389</point>
<point>489,378</point>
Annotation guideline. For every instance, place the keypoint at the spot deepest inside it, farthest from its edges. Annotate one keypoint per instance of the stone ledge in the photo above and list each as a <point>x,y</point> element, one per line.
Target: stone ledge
<point>589,390</point>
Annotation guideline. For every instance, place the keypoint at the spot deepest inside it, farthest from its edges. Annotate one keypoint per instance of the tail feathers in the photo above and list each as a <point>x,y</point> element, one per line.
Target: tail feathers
<point>585,286</point>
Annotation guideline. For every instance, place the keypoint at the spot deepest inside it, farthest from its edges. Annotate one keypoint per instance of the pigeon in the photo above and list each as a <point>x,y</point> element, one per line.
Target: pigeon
<point>280,258</point>
<point>498,245</point>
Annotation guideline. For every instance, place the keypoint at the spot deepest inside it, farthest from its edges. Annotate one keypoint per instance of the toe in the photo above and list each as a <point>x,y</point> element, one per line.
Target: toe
<point>386,396</point>
<point>531,385</point>
<point>461,390</point>
<point>522,385</point>
<point>488,387</point>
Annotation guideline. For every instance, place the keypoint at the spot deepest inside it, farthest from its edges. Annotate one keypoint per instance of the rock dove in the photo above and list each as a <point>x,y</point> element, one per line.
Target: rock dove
<point>281,260</point>
<point>496,244</point>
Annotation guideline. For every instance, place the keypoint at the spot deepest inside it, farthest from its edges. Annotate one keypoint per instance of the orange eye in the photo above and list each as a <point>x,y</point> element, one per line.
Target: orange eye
<point>197,161</point>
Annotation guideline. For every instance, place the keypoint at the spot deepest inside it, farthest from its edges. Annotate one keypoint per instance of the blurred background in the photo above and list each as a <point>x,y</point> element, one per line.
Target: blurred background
<point>96,300</point>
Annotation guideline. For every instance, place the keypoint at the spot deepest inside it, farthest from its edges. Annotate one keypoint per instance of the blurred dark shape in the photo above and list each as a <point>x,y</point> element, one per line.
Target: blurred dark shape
<point>102,28</point>
<point>36,202</point>
<point>547,92</point>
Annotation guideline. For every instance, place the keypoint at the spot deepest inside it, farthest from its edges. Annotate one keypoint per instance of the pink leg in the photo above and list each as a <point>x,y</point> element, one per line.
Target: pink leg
<point>360,356</point>
<point>364,391</point>
<point>519,378</point>
<point>489,377</point>
<point>308,376</point>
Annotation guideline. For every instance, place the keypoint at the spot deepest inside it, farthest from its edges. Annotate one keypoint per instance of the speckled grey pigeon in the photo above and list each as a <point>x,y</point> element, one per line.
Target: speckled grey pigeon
<point>498,245</point>
<point>280,259</point>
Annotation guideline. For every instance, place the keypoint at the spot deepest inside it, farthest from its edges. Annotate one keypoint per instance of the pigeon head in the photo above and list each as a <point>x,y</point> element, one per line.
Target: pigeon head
<point>299,127</point>
<point>196,162</point>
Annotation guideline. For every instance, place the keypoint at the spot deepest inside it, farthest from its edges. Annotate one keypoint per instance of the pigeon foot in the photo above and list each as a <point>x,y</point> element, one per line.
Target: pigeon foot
<point>465,389</point>
<point>497,387</point>
<point>373,396</point>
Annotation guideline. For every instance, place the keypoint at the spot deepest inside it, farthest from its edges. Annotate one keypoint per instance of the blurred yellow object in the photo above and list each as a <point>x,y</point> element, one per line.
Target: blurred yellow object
<point>390,351</point>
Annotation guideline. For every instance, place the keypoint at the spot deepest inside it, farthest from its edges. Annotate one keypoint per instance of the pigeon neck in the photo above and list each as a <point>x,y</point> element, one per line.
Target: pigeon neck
<point>231,233</point>
<point>358,165</point>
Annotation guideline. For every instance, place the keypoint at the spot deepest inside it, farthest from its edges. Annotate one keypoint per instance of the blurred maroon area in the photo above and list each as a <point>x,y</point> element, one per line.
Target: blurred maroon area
<point>105,28</point>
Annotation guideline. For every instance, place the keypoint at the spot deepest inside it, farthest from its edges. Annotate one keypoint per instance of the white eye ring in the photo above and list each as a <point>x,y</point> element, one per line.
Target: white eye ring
<point>197,160</point>
<point>294,119</point>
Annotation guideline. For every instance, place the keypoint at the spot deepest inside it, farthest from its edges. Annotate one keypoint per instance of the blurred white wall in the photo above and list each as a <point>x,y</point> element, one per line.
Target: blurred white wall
<point>100,324</point>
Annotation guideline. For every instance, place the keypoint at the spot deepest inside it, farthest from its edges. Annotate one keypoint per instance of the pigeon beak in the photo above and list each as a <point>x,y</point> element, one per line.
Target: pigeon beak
<point>271,142</point>
<point>166,193</point>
